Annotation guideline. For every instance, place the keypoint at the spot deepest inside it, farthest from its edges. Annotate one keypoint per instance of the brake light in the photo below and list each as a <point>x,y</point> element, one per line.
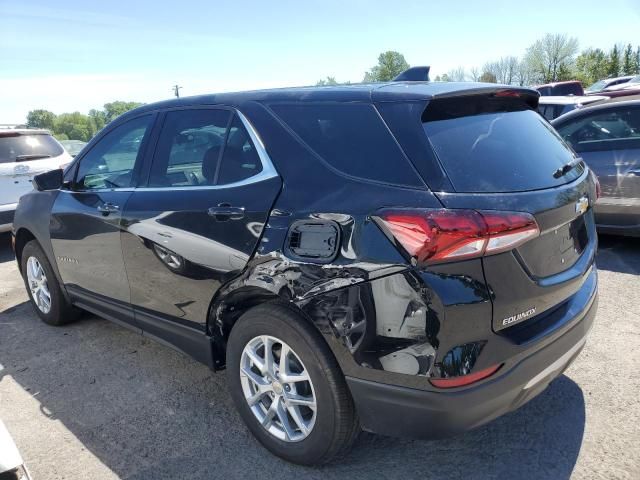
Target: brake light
<point>464,380</point>
<point>507,94</point>
<point>438,235</point>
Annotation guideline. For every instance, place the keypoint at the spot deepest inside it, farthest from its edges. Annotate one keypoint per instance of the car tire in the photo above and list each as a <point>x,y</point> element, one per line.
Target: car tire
<point>37,273</point>
<point>331,429</point>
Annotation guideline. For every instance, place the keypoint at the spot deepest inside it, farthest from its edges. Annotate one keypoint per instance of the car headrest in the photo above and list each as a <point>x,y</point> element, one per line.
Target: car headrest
<point>210,163</point>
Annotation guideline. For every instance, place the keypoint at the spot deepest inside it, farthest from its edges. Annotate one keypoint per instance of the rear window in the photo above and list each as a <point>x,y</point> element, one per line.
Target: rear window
<point>351,138</point>
<point>21,148</point>
<point>567,89</point>
<point>510,151</point>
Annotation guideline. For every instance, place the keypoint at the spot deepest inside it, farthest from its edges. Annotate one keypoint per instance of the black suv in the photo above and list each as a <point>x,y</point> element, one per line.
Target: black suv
<point>408,258</point>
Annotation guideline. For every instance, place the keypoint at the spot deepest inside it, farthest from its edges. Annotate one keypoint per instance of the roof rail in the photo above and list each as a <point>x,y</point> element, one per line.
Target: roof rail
<point>414,74</point>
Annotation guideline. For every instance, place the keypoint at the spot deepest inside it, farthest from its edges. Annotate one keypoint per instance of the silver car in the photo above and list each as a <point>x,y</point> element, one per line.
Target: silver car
<point>607,137</point>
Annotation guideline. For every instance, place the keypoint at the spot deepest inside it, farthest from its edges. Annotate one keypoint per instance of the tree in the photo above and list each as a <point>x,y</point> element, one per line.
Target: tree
<point>98,119</point>
<point>41,119</point>
<point>488,77</point>
<point>74,125</point>
<point>547,55</point>
<point>114,109</point>
<point>628,64</point>
<point>327,81</point>
<point>390,65</point>
<point>457,74</point>
<point>474,73</point>
<point>614,62</point>
<point>524,74</point>
<point>637,62</point>
<point>591,65</point>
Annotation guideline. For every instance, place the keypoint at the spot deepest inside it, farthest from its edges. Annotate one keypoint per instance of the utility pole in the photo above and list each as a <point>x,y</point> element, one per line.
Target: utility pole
<point>176,90</point>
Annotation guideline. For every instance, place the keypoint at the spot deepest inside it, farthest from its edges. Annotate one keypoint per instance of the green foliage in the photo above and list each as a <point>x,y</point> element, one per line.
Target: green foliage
<point>551,56</point>
<point>114,109</point>
<point>591,65</point>
<point>77,126</point>
<point>488,77</point>
<point>41,119</point>
<point>614,62</point>
<point>628,64</point>
<point>390,65</point>
<point>327,81</point>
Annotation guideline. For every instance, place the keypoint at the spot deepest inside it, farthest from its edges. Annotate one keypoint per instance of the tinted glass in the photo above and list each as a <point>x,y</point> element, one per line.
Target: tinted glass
<point>110,163</point>
<point>567,89</point>
<point>612,129</point>
<point>500,152</point>
<point>189,148</point>
<point>596,87</point>
<point>351,138</point>
<point>240,159</point>
<point>20,148</point>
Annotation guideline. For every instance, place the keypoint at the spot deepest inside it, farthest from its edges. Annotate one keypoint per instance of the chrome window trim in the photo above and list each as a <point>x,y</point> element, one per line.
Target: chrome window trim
<point>268,170</point>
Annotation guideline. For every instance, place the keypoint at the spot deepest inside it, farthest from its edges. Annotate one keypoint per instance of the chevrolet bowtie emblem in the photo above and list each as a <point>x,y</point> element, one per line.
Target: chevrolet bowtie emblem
<point>582,205</point>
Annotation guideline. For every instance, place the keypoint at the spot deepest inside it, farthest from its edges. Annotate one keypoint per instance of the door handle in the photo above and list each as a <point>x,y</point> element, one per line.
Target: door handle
<point>107,208</point>
<point>224,211</point>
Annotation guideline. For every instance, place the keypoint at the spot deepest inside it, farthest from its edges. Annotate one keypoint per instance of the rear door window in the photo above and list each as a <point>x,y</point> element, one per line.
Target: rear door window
<point>22,148</point>
<point>613,129</point>
<point>189,148</point>
<point>509,151</point>
<point>351,138</point>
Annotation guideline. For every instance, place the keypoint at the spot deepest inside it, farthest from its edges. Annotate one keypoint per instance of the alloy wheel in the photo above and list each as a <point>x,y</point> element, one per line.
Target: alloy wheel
<point>37,280</point>
<point>278,388</point>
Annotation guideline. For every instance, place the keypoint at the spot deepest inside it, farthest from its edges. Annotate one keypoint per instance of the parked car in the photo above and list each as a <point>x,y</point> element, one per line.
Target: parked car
<point>607,136</point>
<point>632,83</point>
<point>23,154</point>
<point>73,147</point>
<point>601,85</point>
<point>552,107</point>
<point>410,258</point>
<point>572,87</point>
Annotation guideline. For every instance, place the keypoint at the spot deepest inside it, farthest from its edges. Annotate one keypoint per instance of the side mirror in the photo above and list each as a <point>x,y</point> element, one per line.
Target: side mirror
<point>51,180</point>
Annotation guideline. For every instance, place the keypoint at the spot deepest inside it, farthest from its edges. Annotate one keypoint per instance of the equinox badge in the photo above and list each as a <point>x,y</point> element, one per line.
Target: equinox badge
<point>518,317</point>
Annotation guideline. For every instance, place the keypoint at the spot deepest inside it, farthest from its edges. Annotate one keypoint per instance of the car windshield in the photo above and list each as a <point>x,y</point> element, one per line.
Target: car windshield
<point>596,87</point>
<point>18,148</point>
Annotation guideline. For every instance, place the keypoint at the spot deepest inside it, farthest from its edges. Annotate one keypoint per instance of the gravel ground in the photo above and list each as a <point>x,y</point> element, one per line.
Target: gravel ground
<point>95,401</point>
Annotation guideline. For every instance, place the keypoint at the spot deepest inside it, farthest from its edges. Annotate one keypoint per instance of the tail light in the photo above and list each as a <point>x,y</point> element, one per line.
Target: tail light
<point>440,235</point>
<point>598,188</point>
<point>464,380</point>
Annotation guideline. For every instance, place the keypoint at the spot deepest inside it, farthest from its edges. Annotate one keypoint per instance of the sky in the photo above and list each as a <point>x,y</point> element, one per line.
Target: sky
<point>72,55</point>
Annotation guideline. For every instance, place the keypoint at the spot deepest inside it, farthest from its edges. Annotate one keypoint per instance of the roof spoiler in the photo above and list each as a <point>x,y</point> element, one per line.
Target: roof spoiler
<point>414,74</point>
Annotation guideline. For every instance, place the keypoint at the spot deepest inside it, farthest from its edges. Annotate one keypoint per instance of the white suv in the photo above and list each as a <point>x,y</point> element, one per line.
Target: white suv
<point>24,152</point>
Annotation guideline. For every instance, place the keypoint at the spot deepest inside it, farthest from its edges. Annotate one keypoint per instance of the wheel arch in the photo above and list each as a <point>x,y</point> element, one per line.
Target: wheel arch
<point>225,310</point>
<point>22,237</point>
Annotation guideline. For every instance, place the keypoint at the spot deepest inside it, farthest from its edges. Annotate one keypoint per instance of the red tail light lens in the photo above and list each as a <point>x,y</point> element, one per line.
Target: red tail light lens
<point>439,235</point>
<point>463,380</point>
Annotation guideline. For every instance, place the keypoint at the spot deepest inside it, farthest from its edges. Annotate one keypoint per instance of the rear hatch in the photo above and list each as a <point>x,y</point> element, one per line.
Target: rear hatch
<point>23,155</point>
<point>498,154</point>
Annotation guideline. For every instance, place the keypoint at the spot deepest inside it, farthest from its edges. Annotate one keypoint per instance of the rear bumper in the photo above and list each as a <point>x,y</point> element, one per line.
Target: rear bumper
<point>400,411</point>
<point>7,213</point>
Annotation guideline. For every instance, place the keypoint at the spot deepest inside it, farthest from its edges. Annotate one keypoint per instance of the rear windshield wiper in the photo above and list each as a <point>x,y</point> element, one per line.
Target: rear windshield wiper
<point>567,167</point>
<point>22,158</point>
